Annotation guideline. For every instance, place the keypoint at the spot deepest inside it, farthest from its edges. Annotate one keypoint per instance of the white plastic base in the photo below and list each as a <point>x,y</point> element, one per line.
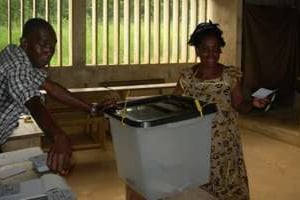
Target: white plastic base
<point>160,161</point>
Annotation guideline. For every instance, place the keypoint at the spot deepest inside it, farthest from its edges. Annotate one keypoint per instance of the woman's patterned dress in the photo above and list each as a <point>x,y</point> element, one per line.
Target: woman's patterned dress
<point>228,177</point>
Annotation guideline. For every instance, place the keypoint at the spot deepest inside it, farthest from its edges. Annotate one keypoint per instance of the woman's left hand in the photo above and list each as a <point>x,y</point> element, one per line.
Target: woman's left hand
<point>260,103</point>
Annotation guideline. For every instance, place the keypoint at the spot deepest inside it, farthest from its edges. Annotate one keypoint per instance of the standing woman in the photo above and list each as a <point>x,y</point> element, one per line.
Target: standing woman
<point>213,82</point>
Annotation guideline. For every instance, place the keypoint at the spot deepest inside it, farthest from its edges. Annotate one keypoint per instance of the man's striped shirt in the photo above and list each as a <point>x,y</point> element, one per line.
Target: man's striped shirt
<point>19,82</point>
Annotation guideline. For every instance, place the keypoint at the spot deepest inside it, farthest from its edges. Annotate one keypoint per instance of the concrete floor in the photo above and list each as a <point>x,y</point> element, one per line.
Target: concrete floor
<point>273,169</point>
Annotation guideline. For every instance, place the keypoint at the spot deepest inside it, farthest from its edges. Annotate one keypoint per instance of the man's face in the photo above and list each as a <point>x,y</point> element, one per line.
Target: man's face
<point>40,46</point>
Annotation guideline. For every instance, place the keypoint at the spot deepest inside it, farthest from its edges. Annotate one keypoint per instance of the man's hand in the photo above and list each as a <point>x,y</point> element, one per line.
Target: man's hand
<point>59,157</point>
<point>108,101</point>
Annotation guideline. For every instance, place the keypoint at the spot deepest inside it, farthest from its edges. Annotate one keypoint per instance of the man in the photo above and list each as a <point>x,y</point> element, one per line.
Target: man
<point>22,75</point>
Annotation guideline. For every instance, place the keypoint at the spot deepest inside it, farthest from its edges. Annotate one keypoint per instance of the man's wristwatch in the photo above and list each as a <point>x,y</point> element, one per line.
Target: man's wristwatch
<point>94,109</point>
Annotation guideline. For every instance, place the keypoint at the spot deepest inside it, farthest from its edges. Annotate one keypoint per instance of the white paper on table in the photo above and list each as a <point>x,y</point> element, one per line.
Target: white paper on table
<point>19,155</point>
<point>9,172</point>
<point>263,93</point>
<point>48,186</point>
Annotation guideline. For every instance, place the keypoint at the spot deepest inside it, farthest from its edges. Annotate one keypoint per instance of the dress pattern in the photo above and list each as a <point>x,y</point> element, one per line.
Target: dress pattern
<point>228,177</point>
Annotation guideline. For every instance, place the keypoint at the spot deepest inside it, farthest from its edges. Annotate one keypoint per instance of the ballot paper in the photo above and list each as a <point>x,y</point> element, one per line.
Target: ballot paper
<point>47,187</point>
<point>9,172</point>
<point>263,93</point>
<point>19,155</point>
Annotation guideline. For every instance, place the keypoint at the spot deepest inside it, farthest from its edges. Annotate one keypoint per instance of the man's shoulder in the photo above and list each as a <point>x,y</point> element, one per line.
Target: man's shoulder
<point>13,51</point>
<point>11,48</point>
<point>13,56</point>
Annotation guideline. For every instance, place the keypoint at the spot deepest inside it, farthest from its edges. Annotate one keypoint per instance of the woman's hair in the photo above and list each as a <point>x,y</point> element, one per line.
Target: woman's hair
<point>204,29</point>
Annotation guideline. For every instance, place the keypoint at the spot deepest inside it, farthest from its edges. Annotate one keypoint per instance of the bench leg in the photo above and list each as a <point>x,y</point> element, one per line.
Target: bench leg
<point>96,128</point>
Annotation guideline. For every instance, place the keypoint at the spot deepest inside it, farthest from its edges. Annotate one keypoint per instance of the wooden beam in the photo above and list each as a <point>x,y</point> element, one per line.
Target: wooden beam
<point>77,44</point>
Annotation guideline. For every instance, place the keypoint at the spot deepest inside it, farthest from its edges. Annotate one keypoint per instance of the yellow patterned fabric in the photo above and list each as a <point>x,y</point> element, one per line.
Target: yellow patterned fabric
<point>228,177</point>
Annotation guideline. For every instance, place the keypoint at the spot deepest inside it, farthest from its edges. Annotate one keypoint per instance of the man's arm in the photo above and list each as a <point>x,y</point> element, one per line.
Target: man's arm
<point>60,153</point>
<point>61,94</point>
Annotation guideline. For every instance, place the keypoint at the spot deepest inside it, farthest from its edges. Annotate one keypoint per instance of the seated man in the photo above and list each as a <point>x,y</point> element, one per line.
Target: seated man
<point>22,75</point>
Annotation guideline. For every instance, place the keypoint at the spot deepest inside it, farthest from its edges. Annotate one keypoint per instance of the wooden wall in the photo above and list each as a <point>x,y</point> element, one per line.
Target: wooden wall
<point>226,13</point>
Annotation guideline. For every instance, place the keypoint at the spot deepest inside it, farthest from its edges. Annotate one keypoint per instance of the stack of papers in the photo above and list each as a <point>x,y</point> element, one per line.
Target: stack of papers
<point>17,164</point>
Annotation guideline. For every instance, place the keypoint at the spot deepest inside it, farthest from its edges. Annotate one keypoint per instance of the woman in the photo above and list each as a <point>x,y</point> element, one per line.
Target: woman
<point>213,82</point>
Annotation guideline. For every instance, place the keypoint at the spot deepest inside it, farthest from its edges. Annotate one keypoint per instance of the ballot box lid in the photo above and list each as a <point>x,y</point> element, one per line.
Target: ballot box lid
<point>159,110</point>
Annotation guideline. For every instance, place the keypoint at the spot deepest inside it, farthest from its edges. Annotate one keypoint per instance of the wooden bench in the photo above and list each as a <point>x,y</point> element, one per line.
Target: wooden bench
<point>141,90</point>
<point>132,82</point>
<point>136,87</point>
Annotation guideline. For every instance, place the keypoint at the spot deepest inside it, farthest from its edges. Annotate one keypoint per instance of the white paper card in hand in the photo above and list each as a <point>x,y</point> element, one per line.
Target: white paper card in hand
<point>262,93</point>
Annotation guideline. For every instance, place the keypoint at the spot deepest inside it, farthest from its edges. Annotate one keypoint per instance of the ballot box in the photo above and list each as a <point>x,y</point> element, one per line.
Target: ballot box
<point>162,144</point>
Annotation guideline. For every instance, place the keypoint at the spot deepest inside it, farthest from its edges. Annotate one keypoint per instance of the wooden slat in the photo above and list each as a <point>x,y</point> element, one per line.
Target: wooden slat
<point>126,32</point>
<point>9,21</point>
<point>184,33</point>
<point>47,9</point>
<point>94,31</point>
<point>147,32</point>
<point>166,33</point>
<point>156,30</point>
<point>175,32</point>
<point>105,32</point>
<point>33,8</point>
<point>21,15</point>
<point>201,13</point>
<point>192,26</point>
<point>77,18</point>
<point>202,10</point>
<point>70,29</point>
<point>137,31</point>
<point>116,32</point>
<point>59,33</point>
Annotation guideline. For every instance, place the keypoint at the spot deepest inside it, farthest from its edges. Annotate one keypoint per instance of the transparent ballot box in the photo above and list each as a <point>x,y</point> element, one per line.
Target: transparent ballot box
<point>162,144</point>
